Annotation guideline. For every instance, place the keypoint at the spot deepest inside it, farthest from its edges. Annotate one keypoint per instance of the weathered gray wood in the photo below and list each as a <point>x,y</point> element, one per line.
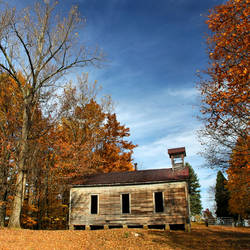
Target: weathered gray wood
<point>175,200</point>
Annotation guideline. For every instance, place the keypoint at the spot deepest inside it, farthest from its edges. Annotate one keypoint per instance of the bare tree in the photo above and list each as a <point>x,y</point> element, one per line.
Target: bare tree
<point>37,48</point>
<point>211,198</point>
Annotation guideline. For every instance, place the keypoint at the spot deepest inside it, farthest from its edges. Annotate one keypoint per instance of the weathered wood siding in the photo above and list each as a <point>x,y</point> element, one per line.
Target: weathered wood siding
<point>175,199</point>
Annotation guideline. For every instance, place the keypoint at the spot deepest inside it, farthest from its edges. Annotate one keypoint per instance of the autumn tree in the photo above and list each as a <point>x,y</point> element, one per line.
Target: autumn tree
<point>10,125</point>
<point>239,180</point>
<point>194,191</point>
<point>115,151</point>
<point>225,89</point>
<point>37,161</point>
<point>90,138</point>
<point>44,48</point>
<point>87,139</point>
<point>79,130</point>
<point>78,136</point>
<point>221,196</point>
<point>62,151</point>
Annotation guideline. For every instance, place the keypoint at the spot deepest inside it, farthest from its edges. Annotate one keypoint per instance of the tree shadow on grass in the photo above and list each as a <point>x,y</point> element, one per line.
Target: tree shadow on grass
<point>203,238</point>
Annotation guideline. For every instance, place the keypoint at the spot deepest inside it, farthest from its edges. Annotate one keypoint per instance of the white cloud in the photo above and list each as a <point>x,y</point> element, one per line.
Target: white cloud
<point>166,112</point>
<point>183,93</point>
<point>157,149</point>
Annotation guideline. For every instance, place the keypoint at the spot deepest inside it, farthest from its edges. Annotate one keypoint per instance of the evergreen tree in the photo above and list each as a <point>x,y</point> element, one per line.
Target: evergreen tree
<point>194,191</point>
<point>221,196</point>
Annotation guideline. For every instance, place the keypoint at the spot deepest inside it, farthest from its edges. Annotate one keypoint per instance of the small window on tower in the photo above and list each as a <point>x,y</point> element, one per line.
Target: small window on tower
<point>158,196</point>
<point>94,204</point>
<point>125,204</point>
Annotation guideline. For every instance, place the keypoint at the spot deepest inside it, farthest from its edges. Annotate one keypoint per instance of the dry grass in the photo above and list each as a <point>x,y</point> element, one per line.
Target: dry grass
<point>213,237</point>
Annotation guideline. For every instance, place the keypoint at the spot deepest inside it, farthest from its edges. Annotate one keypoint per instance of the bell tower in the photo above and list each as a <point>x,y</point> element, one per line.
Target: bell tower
<point>177,157</point>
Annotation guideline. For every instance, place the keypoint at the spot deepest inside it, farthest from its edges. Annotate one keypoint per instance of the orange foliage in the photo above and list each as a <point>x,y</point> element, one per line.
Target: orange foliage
<point>11,103</point>
<point>77,137</point>
<point>225,94</point>
<point>239,180</point>
<point>84,141</point>
<point>10,117</point>
<point>91,141</point>
<point>225,98</point>
<point>10,127</point>
<point>29,212</point>
<point>116,153</point>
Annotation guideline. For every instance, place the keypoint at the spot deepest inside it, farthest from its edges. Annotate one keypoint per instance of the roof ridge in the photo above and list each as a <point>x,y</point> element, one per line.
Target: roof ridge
<point>142,170</point>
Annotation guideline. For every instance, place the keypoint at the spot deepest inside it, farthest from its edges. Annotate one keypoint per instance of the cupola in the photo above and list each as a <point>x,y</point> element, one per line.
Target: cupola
<point>177,157</point>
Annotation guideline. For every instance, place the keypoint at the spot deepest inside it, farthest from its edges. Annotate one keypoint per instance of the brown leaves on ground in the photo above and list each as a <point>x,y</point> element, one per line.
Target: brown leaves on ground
<point>213,237</point>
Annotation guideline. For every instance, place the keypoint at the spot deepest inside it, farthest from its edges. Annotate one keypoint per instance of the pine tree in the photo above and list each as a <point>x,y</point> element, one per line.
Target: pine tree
<point>194,191</point>
<point>221,196</point>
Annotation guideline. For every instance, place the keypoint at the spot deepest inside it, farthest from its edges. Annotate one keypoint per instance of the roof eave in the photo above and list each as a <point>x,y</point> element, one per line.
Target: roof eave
<point>128,184</point>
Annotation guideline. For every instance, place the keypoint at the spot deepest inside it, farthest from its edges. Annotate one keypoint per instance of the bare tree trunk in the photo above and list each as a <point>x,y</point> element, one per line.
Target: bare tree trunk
<point>14,221</point>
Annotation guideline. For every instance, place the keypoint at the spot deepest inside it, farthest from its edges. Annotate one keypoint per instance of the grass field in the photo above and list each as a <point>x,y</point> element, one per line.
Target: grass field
<point>201,237</point>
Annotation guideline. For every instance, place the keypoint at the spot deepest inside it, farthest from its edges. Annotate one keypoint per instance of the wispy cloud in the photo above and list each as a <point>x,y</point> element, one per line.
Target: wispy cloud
<point>167,112</point>
<point>153,150</point>
<point>183,93</point>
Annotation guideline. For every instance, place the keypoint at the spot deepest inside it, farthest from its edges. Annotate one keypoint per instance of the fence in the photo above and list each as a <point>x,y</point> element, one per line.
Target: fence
<point>228,221</point>
<point>225,221</point>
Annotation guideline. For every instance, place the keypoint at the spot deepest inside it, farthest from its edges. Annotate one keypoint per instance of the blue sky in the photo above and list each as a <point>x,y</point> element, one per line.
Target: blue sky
<point>154,48</point>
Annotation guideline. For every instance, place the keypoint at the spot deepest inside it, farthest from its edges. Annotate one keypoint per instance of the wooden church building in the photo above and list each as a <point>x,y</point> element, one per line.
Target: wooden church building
<point>156,198</point>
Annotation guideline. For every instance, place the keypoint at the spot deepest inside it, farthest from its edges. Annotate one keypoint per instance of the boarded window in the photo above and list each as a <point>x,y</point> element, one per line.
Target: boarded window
<point>159,202</point>
<point>94,204</point>
<point>125,204</point>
